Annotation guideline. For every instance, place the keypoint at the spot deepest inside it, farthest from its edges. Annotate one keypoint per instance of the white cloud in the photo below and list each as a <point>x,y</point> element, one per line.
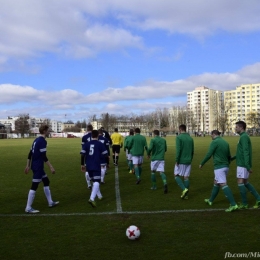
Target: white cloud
<point>82,29</point>
<point>115,100</point>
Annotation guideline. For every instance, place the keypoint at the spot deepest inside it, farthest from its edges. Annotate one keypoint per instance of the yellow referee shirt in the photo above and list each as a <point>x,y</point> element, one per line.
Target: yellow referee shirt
<point>117,139</point>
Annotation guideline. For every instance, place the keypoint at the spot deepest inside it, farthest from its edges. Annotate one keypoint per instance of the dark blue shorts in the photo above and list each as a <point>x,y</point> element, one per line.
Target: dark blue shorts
<point>38,175</point>
<point>95,176</point>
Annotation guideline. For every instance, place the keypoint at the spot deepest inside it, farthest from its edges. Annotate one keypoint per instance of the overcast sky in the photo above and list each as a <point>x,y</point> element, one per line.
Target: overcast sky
<point>78,58</point>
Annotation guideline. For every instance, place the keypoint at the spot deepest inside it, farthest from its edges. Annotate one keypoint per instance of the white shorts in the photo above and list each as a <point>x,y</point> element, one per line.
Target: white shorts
<point>182,170</point>
<point>157,166</point>
<point>137,159</point>
<point>242,173</point>
<point>129,156</point>
<point>221,175</point>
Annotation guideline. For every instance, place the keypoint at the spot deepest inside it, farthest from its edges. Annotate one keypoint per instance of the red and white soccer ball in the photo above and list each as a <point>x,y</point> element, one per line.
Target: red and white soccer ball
<point>133,232</point>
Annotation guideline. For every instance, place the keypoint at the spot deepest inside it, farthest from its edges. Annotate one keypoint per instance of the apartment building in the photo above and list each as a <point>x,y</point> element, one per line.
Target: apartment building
<point>240,102</point>
<point>204,106</point>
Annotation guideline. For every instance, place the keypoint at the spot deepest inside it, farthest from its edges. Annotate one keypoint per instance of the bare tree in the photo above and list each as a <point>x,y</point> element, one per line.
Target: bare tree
<point>22,124</point>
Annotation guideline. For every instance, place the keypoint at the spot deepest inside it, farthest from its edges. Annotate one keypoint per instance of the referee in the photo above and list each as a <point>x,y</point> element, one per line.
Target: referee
<point>117,143</point>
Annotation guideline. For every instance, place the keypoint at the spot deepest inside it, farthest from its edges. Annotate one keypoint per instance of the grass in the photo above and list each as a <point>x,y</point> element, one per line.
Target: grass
<point>58,234</point>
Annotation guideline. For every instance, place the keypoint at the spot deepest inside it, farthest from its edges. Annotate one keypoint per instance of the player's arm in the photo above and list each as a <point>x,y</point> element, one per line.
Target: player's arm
<point>28,165</point>
<point>246,152</point>
<point>82,160</point>
<point>149,150</point>
<point>46,160</point>
<point>145,145</point>
<point>178,150</point>
<point>210,152</point>
<point>121,141</point>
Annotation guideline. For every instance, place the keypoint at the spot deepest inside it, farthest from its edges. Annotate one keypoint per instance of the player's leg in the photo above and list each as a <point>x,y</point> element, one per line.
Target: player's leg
<point>47,192</point>
<point>117,154</point>
<point>96,178</point>
<point>222,181</point>
<point>114,152</point>
<point>186,180</point>
<point>37,178</point>
<point>160,168</point>
<point>139,166</point>
<point>242,175</point>
<point>103,172</point>
<point>153,174</point>
<point>253,191</point>
<point>179,171</point>
<point>136,168</point>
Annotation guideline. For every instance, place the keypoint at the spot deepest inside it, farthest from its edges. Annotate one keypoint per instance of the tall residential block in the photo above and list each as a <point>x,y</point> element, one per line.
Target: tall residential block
<point>204,106</point>
<point>242,101</point>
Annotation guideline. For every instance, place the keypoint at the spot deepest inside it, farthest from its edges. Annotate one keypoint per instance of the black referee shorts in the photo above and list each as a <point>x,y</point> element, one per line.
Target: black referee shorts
<point>116,148</point>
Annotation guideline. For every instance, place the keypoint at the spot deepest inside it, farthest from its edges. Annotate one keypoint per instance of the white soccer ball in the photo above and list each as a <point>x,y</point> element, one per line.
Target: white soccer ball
<point>133,232</point>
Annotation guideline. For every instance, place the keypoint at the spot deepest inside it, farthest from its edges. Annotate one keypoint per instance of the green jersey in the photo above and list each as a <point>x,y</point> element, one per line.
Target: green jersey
<point>244,152</point>
<point>127,141</point>
<point>219,149</point>
<point>137,145</point>
<point>157,147</point>
<point>184,148</point>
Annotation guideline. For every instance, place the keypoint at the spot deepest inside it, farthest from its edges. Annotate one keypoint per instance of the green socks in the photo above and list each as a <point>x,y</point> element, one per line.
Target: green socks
<point>137,172</point>
<point>153,179</point>
<point>180,182</point>
<point>163,176</point>
<point>187,183</point>
<point>242,190</point>
<point>229,195</point>
<point>251,188</point>
<point>214,192</point>
<point>130,164</point>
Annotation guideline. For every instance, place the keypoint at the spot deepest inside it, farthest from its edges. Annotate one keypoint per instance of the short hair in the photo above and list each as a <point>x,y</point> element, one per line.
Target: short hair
<point>182,128</point>
<point>94,134</point>
<point>241,124</point>
<point>102,128</point>
<point>131,131</point>
<point>100,132</point>
<point>89,128</point>
<point>156,132</point>
<point>137,130</point>
<point>116,129</point>
<point>43,128</point>
<point>215,132</point>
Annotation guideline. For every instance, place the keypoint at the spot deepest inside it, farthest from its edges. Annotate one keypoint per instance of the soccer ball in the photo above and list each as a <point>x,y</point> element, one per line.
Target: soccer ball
<point>133,232</point>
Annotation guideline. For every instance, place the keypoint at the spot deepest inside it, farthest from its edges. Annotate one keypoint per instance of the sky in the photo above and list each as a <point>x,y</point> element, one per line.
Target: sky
<point>72,59</point>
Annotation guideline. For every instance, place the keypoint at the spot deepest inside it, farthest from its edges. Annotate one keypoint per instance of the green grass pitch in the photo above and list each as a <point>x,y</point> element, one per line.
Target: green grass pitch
<point>171,228</point>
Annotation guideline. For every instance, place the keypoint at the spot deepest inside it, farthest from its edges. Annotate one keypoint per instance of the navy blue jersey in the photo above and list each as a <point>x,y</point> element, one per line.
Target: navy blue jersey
<point>104,141</point>
<point>107,136</point>
<point>94,151</point>
<point>86,138</point>
<point>38,153</point>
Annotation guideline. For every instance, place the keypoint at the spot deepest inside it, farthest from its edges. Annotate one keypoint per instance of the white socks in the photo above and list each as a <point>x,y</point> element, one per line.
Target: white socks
<point>95,191</point>
<point>30,199</point>
<point>88,179</point>
<point>48,194</point>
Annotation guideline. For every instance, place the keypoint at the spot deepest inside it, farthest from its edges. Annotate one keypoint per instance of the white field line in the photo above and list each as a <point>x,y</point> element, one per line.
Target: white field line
<point>118,198</point>
<point>113,213</point>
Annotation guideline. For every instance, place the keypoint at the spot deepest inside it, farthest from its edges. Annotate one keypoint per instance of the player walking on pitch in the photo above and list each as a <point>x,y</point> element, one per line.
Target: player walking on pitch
<point>105,158</point>
<point>87,138</point>
<point>117,143</point>
<point>36,159</point>
<point>184,156</point>
<point>244,166</point>
<point>220,151</point>
<point>128,152</point>
<point>91,158</point>
<point>137,145</point>
<point>157,148</point>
